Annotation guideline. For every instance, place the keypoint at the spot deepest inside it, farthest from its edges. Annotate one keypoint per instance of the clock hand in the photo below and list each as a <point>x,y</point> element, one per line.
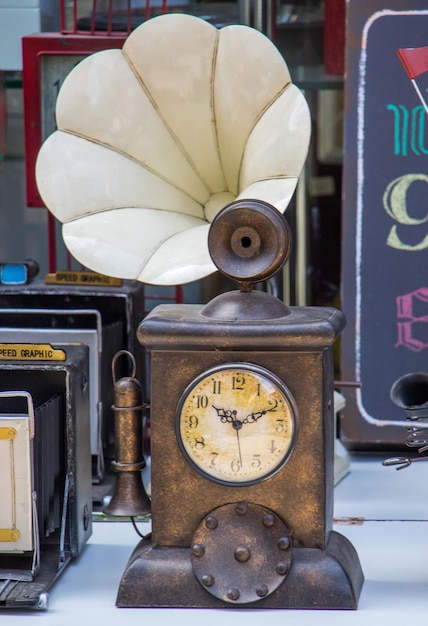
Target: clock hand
<point>239,443</point>
<point>253,417</point>
<point>229,416</point>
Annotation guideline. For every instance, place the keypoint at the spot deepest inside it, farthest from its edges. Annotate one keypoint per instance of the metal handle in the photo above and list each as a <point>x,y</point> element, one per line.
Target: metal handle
<point>30,405</point>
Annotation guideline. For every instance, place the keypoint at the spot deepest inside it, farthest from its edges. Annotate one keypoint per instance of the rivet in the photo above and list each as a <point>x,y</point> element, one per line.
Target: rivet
<point>242,554</point>
<point>242,508</point>
<point>211,522</point>
<point>262,591</point>
<point>208,580</point>
<point>198,549</point>
<point>281,568</point>
<point>233,594</point>
<point>284,543</point>
<point>268,520</point>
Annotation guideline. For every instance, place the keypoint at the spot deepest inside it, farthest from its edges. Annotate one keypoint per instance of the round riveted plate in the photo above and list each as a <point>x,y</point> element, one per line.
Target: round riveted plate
<point>241,552</point>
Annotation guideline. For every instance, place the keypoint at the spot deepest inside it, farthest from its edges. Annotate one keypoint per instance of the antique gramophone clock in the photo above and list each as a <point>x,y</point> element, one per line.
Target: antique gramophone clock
<point>242,441</point>
<point>183,164</point>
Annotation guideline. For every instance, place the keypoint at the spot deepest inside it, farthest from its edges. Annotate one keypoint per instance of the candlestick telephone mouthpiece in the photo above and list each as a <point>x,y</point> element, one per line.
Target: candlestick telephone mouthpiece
<point>249,241</point>
<point>129,498</point>
<point>410,392</point>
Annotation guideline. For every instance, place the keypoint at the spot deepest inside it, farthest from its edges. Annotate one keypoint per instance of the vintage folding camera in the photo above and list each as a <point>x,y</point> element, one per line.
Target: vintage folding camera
<point>45,467</point>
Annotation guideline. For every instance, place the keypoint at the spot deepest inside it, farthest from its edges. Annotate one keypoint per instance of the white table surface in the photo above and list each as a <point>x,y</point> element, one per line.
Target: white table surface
<point>389,509</point>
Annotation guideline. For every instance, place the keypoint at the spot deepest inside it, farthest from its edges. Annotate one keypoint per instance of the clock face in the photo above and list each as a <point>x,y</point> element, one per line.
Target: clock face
<point>236,423</point>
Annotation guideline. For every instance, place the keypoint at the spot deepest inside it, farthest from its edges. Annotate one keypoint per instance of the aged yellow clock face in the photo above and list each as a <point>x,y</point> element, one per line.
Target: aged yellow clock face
<point>236,423</point>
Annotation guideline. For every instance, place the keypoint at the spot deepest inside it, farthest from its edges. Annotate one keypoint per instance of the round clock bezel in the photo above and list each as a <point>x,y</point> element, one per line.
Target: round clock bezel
<point>283,390</point>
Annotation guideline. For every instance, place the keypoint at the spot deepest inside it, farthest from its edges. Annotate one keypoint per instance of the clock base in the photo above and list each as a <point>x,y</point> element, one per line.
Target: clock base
<point>318,579</point>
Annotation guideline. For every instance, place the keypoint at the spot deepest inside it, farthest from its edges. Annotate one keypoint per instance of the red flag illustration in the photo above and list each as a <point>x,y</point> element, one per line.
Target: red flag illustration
<point>414,60</point>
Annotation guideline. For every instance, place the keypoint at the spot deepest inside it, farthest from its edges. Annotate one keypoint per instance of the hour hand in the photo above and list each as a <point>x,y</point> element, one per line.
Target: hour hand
<point>228,416</point>
<point>225,415</point>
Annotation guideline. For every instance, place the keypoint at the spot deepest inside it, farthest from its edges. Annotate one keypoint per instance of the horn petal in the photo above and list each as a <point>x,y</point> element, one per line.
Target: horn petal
<point>245,85</point>
<point>183,90</point>
<point>276,191</point>
<point>102,179</point>
<point>183,257</point>
<point>120,243</point>
<point>278,143</point>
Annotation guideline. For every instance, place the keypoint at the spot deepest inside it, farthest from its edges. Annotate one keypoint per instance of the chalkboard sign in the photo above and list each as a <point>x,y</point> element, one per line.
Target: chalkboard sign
<point>385,218</point>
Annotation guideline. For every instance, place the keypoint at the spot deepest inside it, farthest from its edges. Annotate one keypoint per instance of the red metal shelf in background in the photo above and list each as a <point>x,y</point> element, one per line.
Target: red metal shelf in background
<point>117,17</point>
<point>34,49</point>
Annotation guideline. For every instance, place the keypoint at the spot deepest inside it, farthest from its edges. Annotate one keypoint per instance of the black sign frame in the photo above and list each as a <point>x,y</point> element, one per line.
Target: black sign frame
<point>385,219</point>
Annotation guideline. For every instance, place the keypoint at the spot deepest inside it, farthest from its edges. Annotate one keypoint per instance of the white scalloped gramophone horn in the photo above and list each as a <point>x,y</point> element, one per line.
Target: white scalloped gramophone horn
<point>154,139</point>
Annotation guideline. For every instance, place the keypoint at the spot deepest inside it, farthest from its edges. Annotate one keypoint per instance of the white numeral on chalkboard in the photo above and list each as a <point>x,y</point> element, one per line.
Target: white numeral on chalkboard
<point>409,130</point>
<point>395,204</point>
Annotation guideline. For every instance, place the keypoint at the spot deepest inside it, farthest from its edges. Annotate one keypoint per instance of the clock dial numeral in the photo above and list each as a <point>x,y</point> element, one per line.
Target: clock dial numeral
<point>236,424</point>
<point>236,465</point>
<point>214,456</point>
<point>216,386</point>
<point>281,426</point>
<point>201,402</point>
<point>238,382</point>
<point>256,462</point>
<point>199,443</point>
<point>193,422</point>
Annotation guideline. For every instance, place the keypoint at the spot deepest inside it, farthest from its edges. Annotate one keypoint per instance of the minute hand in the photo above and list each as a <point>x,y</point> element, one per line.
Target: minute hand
<point>253,417</point>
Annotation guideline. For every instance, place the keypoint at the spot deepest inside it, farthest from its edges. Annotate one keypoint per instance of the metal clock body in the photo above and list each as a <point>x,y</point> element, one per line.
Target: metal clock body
<point>242,442</point>
<point>184,343</point>
<point>323,570</point>
<point>236,423</point>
